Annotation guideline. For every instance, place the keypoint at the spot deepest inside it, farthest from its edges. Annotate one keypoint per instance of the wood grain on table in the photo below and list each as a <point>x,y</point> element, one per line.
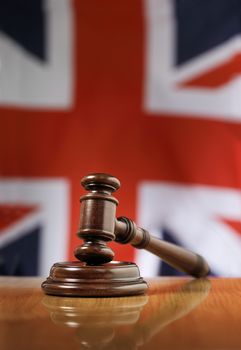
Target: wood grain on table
<point>177,313</point>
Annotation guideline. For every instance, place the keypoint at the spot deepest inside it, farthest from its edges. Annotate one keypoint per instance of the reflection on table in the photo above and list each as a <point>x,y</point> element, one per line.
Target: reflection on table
<point>177,313</point>
<point>125,323</point>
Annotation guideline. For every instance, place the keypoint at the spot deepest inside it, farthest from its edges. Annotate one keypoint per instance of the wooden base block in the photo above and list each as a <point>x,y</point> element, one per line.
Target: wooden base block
<point>81,280</point>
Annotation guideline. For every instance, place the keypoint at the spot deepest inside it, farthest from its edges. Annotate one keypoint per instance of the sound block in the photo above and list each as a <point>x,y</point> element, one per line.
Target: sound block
<point>81,280</point>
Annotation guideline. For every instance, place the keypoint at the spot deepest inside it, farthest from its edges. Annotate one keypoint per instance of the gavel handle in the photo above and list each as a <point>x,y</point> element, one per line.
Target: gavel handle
<point>184,260</point>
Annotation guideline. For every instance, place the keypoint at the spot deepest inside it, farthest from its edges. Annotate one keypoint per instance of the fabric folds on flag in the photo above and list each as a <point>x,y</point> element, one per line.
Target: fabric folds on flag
<point>147,91</point>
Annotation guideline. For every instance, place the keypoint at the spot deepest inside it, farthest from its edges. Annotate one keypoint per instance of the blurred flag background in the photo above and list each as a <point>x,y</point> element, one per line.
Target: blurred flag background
<point>149,91</point>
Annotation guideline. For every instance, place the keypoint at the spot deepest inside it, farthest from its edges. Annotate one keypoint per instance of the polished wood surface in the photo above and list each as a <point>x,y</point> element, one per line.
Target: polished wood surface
<point>97,218</point>
<point>177,313</point>
<point>78,279</point>
<point>181,259</point>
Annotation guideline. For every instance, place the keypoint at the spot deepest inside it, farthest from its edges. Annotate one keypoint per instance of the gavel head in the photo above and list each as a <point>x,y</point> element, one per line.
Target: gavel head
<point>97,219</point>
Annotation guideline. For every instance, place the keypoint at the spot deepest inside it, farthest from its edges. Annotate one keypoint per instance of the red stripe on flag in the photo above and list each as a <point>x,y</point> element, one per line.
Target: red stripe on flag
<point>235,225</point>
<point>10,214</point>
<point>218,76</point>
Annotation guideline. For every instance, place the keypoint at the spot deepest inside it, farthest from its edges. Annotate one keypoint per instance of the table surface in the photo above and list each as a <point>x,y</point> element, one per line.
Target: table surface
<point>177,313</point>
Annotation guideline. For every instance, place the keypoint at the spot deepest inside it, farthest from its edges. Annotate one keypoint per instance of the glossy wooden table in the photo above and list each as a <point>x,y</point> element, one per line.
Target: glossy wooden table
<point>177,313</point>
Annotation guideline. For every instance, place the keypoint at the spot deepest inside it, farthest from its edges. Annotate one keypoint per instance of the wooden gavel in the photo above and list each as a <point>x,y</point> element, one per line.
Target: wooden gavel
<point>98,225</point>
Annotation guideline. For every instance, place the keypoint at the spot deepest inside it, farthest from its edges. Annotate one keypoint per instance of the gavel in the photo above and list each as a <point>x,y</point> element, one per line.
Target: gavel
<point>98,226</point>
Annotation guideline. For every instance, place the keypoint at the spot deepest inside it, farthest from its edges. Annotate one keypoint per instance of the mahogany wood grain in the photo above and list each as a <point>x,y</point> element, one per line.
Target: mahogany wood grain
<point>79,279</point>
<point>177,313</point>
<point>182,259</point>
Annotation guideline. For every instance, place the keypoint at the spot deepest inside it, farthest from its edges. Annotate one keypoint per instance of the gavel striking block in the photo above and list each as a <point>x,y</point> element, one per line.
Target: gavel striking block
<point>95,274</point>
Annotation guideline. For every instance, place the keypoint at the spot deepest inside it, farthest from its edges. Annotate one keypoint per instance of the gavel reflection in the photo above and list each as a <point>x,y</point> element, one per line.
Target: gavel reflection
<point>125,322</point>
<point>99,225</point>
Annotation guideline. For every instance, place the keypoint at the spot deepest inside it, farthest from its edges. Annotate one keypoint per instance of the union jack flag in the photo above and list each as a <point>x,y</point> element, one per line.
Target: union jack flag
<point>146,90</point>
